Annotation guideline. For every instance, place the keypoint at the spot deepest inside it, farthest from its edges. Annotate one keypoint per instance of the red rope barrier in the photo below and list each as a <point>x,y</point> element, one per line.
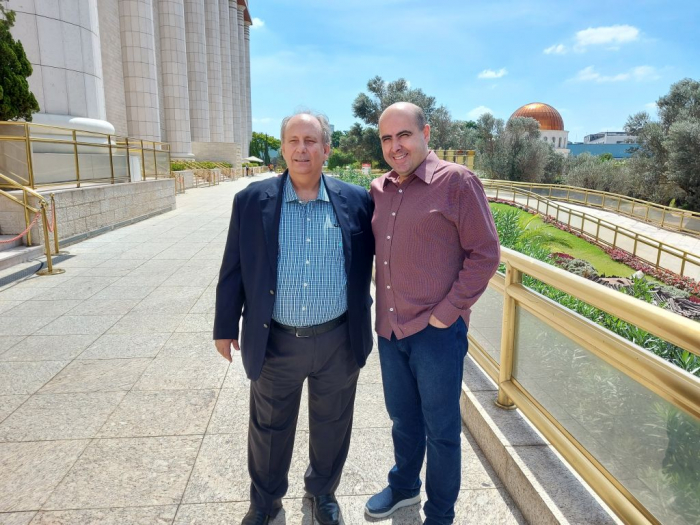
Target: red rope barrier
<point>36,218</point>
<point>51,224</point>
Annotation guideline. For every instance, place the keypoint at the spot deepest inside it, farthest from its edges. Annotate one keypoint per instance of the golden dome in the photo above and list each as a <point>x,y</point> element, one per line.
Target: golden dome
<point>548,117</point>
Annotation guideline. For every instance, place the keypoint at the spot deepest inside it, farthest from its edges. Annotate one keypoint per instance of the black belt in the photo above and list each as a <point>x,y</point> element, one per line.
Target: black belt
<point>309,331</point>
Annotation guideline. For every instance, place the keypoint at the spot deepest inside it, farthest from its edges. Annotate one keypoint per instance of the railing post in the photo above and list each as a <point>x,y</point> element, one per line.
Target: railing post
<point>26,218</point>
<point>50,270</point>
<point>30,164</point>
<point>111,160</point>
<point>155,160</point>
<point>128,158</point>
<point>143,163</point>
<point>77,161</point>
<point>505,372</point>
<point>55,224</point>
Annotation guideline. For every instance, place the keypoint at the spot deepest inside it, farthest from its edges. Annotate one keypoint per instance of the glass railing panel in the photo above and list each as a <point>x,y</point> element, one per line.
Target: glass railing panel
<point>650,446</point>
<point>53,163</point>
<point>11,130</point>
<point>640,210</point>
<point>486,320</point>
<point>149,159</point>
<point>94,164</point>
<point>595,200</point>
<point>691,224</point>
<point>119,161</point>
<point>162,163</point>
<point>655,215</point>
<point>13,161</point>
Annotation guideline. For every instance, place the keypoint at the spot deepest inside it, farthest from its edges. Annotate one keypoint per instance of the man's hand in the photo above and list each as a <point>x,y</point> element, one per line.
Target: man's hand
<point>223,346</point>
<point>434,321</point>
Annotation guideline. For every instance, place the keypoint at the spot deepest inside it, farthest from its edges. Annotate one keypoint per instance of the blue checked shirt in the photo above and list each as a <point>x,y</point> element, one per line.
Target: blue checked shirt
<point>311,279</point>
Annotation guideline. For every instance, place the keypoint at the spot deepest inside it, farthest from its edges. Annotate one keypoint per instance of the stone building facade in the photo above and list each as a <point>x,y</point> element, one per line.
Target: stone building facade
<point>175,71</point>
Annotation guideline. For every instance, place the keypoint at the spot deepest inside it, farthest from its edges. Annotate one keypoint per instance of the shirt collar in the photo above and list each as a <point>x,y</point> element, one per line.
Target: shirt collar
<point>290,194</point>
<point>424,171</point>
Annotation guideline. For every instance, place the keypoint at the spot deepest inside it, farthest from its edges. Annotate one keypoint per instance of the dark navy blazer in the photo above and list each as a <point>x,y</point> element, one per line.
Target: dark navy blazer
<point>248,276</point>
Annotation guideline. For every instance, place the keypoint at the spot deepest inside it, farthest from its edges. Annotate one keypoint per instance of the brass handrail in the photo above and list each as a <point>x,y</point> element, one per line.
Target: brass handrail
<point>677,387</point>
<point>686,260</point>
<point>666,211</point>
<point>43,204</point>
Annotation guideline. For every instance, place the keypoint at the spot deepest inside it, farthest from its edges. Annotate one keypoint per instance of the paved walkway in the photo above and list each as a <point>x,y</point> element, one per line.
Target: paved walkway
<point>115,408</point>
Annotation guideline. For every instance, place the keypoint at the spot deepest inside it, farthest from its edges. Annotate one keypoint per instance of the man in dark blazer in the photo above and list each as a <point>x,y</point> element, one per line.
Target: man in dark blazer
<point>297,268</point>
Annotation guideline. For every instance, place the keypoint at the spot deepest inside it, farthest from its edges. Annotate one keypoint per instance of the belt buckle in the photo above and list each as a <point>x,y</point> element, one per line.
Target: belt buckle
<point>296,334</point>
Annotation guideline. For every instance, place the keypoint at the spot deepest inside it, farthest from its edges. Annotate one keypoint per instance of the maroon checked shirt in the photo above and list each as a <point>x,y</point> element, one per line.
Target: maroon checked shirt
<point>436,246</point>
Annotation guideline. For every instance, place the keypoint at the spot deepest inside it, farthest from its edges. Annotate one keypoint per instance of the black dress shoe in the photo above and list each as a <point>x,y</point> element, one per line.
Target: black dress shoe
<point>255,517</point>
<point>326,510</point>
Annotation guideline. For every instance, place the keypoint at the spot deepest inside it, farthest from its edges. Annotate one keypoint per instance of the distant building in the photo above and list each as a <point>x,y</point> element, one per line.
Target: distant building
<point>551,124</point>
<point>610,137</point>
<point>618,151</point>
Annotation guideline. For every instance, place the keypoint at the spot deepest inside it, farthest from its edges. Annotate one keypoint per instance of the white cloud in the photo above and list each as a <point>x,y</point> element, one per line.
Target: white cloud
<point>490,73</point>
<point>556,49</point>
<point>264,120</point>
<point>257,23</point>
<point>638,74</point>
<point>606,35</point>
<point>478,111</point>
<point>651,106</point>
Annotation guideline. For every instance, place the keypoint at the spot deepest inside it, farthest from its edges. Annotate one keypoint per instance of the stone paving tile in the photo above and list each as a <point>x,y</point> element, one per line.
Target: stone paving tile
<point>236,373</point>
<point>145,323</point>
<point>370,457</point>
<point>18,292</point>
<point>370,411</point>
<point>296,511</point>
<point>79,325</point>
<point>181,251</point>
<point>8,341</point>
<point>191,277</point>
<point>32,470</point>
<point>27,378</point>
<point>9,404</point>
<point>151,280</point>
<point>157,467</point>
<point>97,376</point>
<point>8,305</point>
<point>125,346</point>
<point>197,323</point>
<point>206,304</point>
<point>122,264</point>
<point>165,266</point>
<point>43,308</point>
<point>105,272</point>
<point>95,306</point>
<point>231,414</point>
<point>183,373</point>
<point>59,416</point>
<point>170,300</point>
<point>123,292</point>
<point>189,344</point>
<point>77,288</point>
<point>161,413</point>
<point>162,515</point>
<point>16,518</point>
<point>48,348</point>
<point>13,325</point>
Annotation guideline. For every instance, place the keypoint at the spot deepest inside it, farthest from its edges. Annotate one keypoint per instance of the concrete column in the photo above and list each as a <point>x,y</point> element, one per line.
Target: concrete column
<point>140,75</point>
<point>197,70</point>
<point>226,83</point>
<point>241,81</point>
<point>173,67</point>
<point>216,108</point>
<point>159,72</point>
<point>235,72</point>
<point>249,108</point>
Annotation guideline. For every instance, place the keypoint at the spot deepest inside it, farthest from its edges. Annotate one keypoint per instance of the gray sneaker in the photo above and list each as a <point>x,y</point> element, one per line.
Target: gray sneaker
<point>387,502</point>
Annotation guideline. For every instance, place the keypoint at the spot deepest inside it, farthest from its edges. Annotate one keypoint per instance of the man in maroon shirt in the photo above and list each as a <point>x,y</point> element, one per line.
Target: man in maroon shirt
<point>436,249</point>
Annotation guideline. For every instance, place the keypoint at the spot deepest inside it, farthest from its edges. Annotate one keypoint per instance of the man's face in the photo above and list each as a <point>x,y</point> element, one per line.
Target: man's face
<point>303,148</point>
<point>404,145</point>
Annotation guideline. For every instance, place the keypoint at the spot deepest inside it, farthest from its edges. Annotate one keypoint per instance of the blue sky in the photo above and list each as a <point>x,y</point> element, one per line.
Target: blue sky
<point>596,62</point>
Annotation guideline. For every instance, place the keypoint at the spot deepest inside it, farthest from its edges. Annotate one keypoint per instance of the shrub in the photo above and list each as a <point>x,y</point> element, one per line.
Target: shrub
<point>178,166</point>
<point>581,267</point>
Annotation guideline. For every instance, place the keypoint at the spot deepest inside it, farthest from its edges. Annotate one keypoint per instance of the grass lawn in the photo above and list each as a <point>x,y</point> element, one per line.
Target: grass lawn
<point>577,248</point>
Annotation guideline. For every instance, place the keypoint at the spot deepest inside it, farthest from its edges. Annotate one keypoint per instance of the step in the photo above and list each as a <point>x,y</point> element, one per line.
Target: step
<point>9,245</point>
<point>19,254</point>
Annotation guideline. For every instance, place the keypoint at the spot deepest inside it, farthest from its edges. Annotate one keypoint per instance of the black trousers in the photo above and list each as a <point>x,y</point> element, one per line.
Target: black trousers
<point>328,364</point>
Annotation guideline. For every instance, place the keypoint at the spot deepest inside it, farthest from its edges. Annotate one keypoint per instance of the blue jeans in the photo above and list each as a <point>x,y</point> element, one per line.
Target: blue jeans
<point>422,377</point>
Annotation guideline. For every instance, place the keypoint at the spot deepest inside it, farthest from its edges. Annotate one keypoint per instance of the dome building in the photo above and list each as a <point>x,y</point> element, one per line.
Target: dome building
<point>551,124</point>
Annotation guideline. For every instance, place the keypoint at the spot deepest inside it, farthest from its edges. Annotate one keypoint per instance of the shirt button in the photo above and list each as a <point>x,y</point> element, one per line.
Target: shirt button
<point>308,219</point>
<point>307,262</point>
<point>388,236</point>
<point>385,262</point>
<point>265,325</point>
<point>400,191</point>
<point>393,214</point>
<point>391,309</point>
<point>308,240</point>
<point>306,284</point>
<point>388,287</point>
<point>303,308</point>
<point>272,292</point>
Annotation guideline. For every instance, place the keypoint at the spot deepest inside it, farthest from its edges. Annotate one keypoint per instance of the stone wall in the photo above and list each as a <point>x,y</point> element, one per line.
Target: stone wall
<point>83,212</point>
<point>217,152</point>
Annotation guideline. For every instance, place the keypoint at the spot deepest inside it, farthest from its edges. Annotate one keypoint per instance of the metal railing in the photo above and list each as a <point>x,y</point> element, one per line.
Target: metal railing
<point>656,253</point>
<point>458,156</point>
<point>662,216</point>
<point>626,420</point>
<point>36,155</point>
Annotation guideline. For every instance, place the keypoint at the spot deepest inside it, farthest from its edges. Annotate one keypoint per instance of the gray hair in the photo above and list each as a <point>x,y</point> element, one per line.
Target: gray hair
<point>322,120</point>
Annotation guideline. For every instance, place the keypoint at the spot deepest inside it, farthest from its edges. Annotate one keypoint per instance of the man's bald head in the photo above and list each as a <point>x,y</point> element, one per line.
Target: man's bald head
<point>407,108</point>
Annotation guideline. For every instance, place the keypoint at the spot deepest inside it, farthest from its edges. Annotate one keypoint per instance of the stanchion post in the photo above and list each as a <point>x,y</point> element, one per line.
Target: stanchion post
<point>55,224</point>
<point>50,270</point>
<point>505,373</point>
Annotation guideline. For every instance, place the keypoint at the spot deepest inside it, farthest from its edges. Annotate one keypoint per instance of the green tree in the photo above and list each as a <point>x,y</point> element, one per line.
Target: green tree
<point>340,159</point>
<point>363,143</point>
<point>442,129</point>
<point>335,138</point>
<point>261,144</point>
<point>369,107</point>
<point>16,100</point>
